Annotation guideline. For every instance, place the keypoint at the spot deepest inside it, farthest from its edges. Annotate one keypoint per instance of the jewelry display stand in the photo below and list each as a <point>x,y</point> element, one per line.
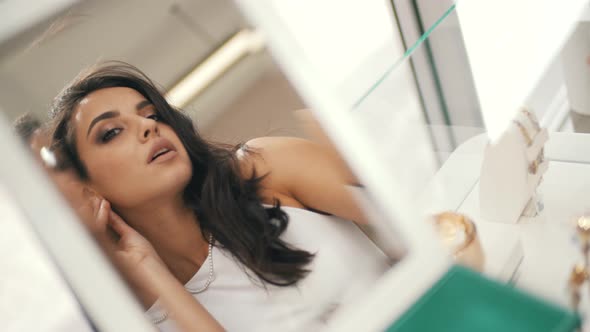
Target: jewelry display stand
<point>500,242</point>
<point>512,170</point>
<point>523,248</point>
<point>545,238</point>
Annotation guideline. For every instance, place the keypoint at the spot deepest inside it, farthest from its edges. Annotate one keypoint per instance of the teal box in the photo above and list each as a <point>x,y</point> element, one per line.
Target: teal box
<point>465,301</point>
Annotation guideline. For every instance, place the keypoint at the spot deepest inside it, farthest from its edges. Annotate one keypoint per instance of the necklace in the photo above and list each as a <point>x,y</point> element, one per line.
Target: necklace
<point>203,288</point>
<point>211,272</point>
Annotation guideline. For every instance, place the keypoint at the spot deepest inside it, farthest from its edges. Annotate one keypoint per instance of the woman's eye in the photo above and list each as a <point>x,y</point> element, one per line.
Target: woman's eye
<point>110,134</point>
<point>154,117</point>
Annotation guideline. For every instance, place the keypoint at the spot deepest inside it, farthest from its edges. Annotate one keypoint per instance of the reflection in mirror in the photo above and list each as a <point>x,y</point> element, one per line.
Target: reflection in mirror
<point>250,220</point>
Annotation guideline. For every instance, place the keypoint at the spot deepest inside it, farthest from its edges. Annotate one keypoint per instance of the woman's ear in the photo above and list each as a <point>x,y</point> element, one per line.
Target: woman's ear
<point>90,194</point>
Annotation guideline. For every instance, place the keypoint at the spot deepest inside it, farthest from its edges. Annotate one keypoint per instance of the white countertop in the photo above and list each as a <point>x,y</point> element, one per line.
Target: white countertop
<point>548,240</point>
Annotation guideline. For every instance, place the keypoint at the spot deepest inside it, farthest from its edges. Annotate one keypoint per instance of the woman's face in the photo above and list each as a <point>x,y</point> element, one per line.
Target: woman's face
<point>131,157</point>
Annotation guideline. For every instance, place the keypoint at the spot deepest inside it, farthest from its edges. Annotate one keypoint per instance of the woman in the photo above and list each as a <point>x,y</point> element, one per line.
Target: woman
<point>233,225</point>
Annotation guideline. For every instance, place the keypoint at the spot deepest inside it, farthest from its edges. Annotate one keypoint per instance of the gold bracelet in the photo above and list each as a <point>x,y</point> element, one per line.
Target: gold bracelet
<point>453,226</point>
<point>524,132</point>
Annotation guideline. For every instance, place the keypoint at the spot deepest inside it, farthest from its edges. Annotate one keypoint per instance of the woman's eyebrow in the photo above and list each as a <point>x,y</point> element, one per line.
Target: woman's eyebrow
<point>103,116</point>
<point>142,104</point>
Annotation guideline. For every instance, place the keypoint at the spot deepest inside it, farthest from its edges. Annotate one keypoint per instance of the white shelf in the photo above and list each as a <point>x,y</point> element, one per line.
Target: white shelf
<point>547,240</point>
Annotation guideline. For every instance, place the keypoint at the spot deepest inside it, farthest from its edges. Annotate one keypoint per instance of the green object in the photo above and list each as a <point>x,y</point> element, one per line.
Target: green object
<point>464,300</point>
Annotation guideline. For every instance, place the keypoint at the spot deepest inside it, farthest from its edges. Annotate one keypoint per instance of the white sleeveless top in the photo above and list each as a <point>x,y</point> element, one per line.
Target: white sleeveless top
<point>346,263</point>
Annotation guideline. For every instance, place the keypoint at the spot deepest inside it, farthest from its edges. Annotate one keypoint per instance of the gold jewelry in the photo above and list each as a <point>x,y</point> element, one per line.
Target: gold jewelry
<point>577,278</point>
<point>583,229</point>
<point>532,119</point>
<point>580,272</point>
<point>538,161</point>
<point>459,234</point>
<point>579,275</point>
<point>524,132</point>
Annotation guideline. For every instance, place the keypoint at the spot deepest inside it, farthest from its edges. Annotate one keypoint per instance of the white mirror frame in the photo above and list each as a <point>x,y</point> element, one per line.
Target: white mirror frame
<point>97,286</point>
<point>425,262</point>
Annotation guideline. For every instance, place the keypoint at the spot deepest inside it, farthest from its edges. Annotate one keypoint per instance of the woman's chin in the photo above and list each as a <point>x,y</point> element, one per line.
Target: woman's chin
<point>157,189</point>
<point>174,181</point>
<point>174,170</point>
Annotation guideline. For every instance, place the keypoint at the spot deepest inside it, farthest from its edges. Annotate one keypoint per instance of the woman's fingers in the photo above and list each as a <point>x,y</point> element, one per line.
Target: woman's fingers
<point>102,215</point>
<point>119,225</point>
<point>94,214</point>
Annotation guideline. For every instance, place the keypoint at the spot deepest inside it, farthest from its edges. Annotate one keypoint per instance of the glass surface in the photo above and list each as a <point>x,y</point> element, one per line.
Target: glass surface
<point>410,44</point>
<point>439,66</point>
<point>558,101</point>
<point>447,125</point>
<point>429,136</point>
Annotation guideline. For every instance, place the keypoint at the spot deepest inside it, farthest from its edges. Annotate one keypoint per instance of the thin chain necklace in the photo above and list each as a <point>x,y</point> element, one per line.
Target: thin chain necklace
<point>203,288</point>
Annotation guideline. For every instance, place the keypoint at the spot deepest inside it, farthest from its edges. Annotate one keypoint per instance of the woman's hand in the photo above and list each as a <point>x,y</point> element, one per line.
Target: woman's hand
<point>127,247</point>
<point>129,251</point>
<point>146,272</point>
<point>139,263</point>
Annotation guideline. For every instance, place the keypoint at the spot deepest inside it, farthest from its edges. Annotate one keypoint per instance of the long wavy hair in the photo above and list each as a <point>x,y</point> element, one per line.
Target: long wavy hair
<point>226,204</point>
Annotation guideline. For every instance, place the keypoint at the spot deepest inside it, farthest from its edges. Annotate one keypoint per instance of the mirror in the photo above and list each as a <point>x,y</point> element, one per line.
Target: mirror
<point>214,66</point>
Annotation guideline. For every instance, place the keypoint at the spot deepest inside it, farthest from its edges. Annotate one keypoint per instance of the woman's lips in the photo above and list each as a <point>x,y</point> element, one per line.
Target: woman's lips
<point>164,157</point>
<point>161,150</point>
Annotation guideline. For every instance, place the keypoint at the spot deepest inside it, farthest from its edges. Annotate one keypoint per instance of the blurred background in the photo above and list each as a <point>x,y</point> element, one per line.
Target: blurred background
<point>42,49</point>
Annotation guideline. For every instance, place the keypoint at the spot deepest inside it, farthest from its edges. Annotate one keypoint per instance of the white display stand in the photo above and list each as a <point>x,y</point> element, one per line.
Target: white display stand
<point>458,177</point>
<point>548,244</point>
<point>537,254</point>
<point>508,185</point>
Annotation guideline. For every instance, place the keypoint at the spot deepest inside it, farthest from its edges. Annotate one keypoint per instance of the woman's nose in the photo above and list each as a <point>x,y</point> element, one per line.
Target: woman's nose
<point>149,128</point>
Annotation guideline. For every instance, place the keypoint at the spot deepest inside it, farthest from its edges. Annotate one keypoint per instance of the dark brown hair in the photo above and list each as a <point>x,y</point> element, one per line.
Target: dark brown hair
<point>25,125</point>
<point>226,205</point>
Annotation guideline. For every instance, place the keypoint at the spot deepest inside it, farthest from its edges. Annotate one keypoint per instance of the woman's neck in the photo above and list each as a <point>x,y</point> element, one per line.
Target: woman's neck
<point>174,232</point>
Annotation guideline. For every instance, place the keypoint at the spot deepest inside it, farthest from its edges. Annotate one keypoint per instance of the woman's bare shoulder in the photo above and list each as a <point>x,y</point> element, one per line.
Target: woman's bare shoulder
<point>272,157</point>
<point>265,154</point>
